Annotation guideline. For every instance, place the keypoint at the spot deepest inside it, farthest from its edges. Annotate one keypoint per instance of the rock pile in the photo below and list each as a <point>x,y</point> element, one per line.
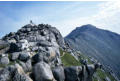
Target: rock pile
<point>34,55</point>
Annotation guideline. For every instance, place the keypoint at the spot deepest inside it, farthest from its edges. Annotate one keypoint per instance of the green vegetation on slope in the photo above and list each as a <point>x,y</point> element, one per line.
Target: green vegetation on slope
<point>95,79</point>
<point>82,56</point>
<point>68,59</point>
<point>111,77</point>
<point>2,66</point>
<point>61,52</point>
<point>103,75</point>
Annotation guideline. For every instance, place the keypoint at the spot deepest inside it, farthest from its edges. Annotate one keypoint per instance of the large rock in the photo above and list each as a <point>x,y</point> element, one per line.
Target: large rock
<point>20,75</point>
<point>14,56</point>
<point>42,72</point>
<point>37,58</point>
<point>4,46</point>
<point>44,43</point>
<point>13,73</point>
<point>4,60</point>
<point>58,73</point>
<point>84,76</point>
<point>41,56</point>
<point>12,41</point>
<point>47,55</point>
<point>19,69</point>
<point>14,47</point>
<point>4,74</point>
<point>19,46</point>
<point>27,66</point>
<point>52,53</point>
<point>24,44</point>
<point>58,37</point>
<point>90,70</point>
<point>72,73</point>
<point>24,56</point>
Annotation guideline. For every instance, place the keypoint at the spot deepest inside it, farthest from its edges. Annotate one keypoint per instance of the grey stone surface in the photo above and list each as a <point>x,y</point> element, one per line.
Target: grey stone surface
<point>42,72</point>
<point>15,55</point>
<point>27,66</point>
<point>58,73</point>
<point>72,73</point>
<point>19,74</point>
<point>24,56</point>
<point>4,74</point>
<point>4,60</point>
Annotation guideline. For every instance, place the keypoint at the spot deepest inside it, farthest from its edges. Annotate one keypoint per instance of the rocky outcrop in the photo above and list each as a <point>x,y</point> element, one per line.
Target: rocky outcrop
<point>4,60</point>
<point>72,73</point>
<point>34,55</point>
<point>24,56</point>
<point>14,56</point>
<point>14,73</point>
<point>4,46</point>
<point>19,74</point>
<point>58,73</point>
<point>42,72</point>
<point>27,66</point>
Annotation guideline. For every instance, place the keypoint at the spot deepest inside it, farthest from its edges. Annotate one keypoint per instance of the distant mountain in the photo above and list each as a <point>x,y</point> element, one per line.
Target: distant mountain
<point>100,44</point>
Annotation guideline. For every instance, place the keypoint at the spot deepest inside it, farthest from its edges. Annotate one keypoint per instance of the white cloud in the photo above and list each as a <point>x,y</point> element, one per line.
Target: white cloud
<point>108,17</point>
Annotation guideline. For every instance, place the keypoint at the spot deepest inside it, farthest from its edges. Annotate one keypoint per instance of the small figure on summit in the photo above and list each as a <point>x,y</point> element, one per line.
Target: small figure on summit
<point>31,23</point>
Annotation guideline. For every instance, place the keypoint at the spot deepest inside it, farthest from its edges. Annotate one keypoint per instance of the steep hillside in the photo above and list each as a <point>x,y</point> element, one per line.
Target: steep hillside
<point>101,44</point>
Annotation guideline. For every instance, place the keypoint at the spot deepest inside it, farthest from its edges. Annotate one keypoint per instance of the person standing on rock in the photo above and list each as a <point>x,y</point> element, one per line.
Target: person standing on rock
<point>31,22</point>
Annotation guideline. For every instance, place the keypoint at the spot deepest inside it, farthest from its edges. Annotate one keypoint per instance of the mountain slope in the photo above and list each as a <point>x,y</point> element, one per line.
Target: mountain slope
<point>100,44</point>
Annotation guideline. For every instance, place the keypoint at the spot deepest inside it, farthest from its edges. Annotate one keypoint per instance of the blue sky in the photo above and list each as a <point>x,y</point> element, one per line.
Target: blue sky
<point>66,16</point>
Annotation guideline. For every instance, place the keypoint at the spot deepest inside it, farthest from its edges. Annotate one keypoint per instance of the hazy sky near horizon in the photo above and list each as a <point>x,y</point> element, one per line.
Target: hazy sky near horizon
<point>65,16</point>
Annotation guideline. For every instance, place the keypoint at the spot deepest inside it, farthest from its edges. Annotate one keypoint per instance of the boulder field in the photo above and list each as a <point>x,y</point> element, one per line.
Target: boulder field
<point>37,53</point>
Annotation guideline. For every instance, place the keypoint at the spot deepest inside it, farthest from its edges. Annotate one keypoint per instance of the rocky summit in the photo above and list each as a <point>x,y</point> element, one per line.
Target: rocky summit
<point>39,53</point>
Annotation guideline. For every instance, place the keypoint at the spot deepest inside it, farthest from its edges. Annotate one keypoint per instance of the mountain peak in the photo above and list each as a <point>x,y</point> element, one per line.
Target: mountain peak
<point>86,27</point>
<point>83,28</point>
